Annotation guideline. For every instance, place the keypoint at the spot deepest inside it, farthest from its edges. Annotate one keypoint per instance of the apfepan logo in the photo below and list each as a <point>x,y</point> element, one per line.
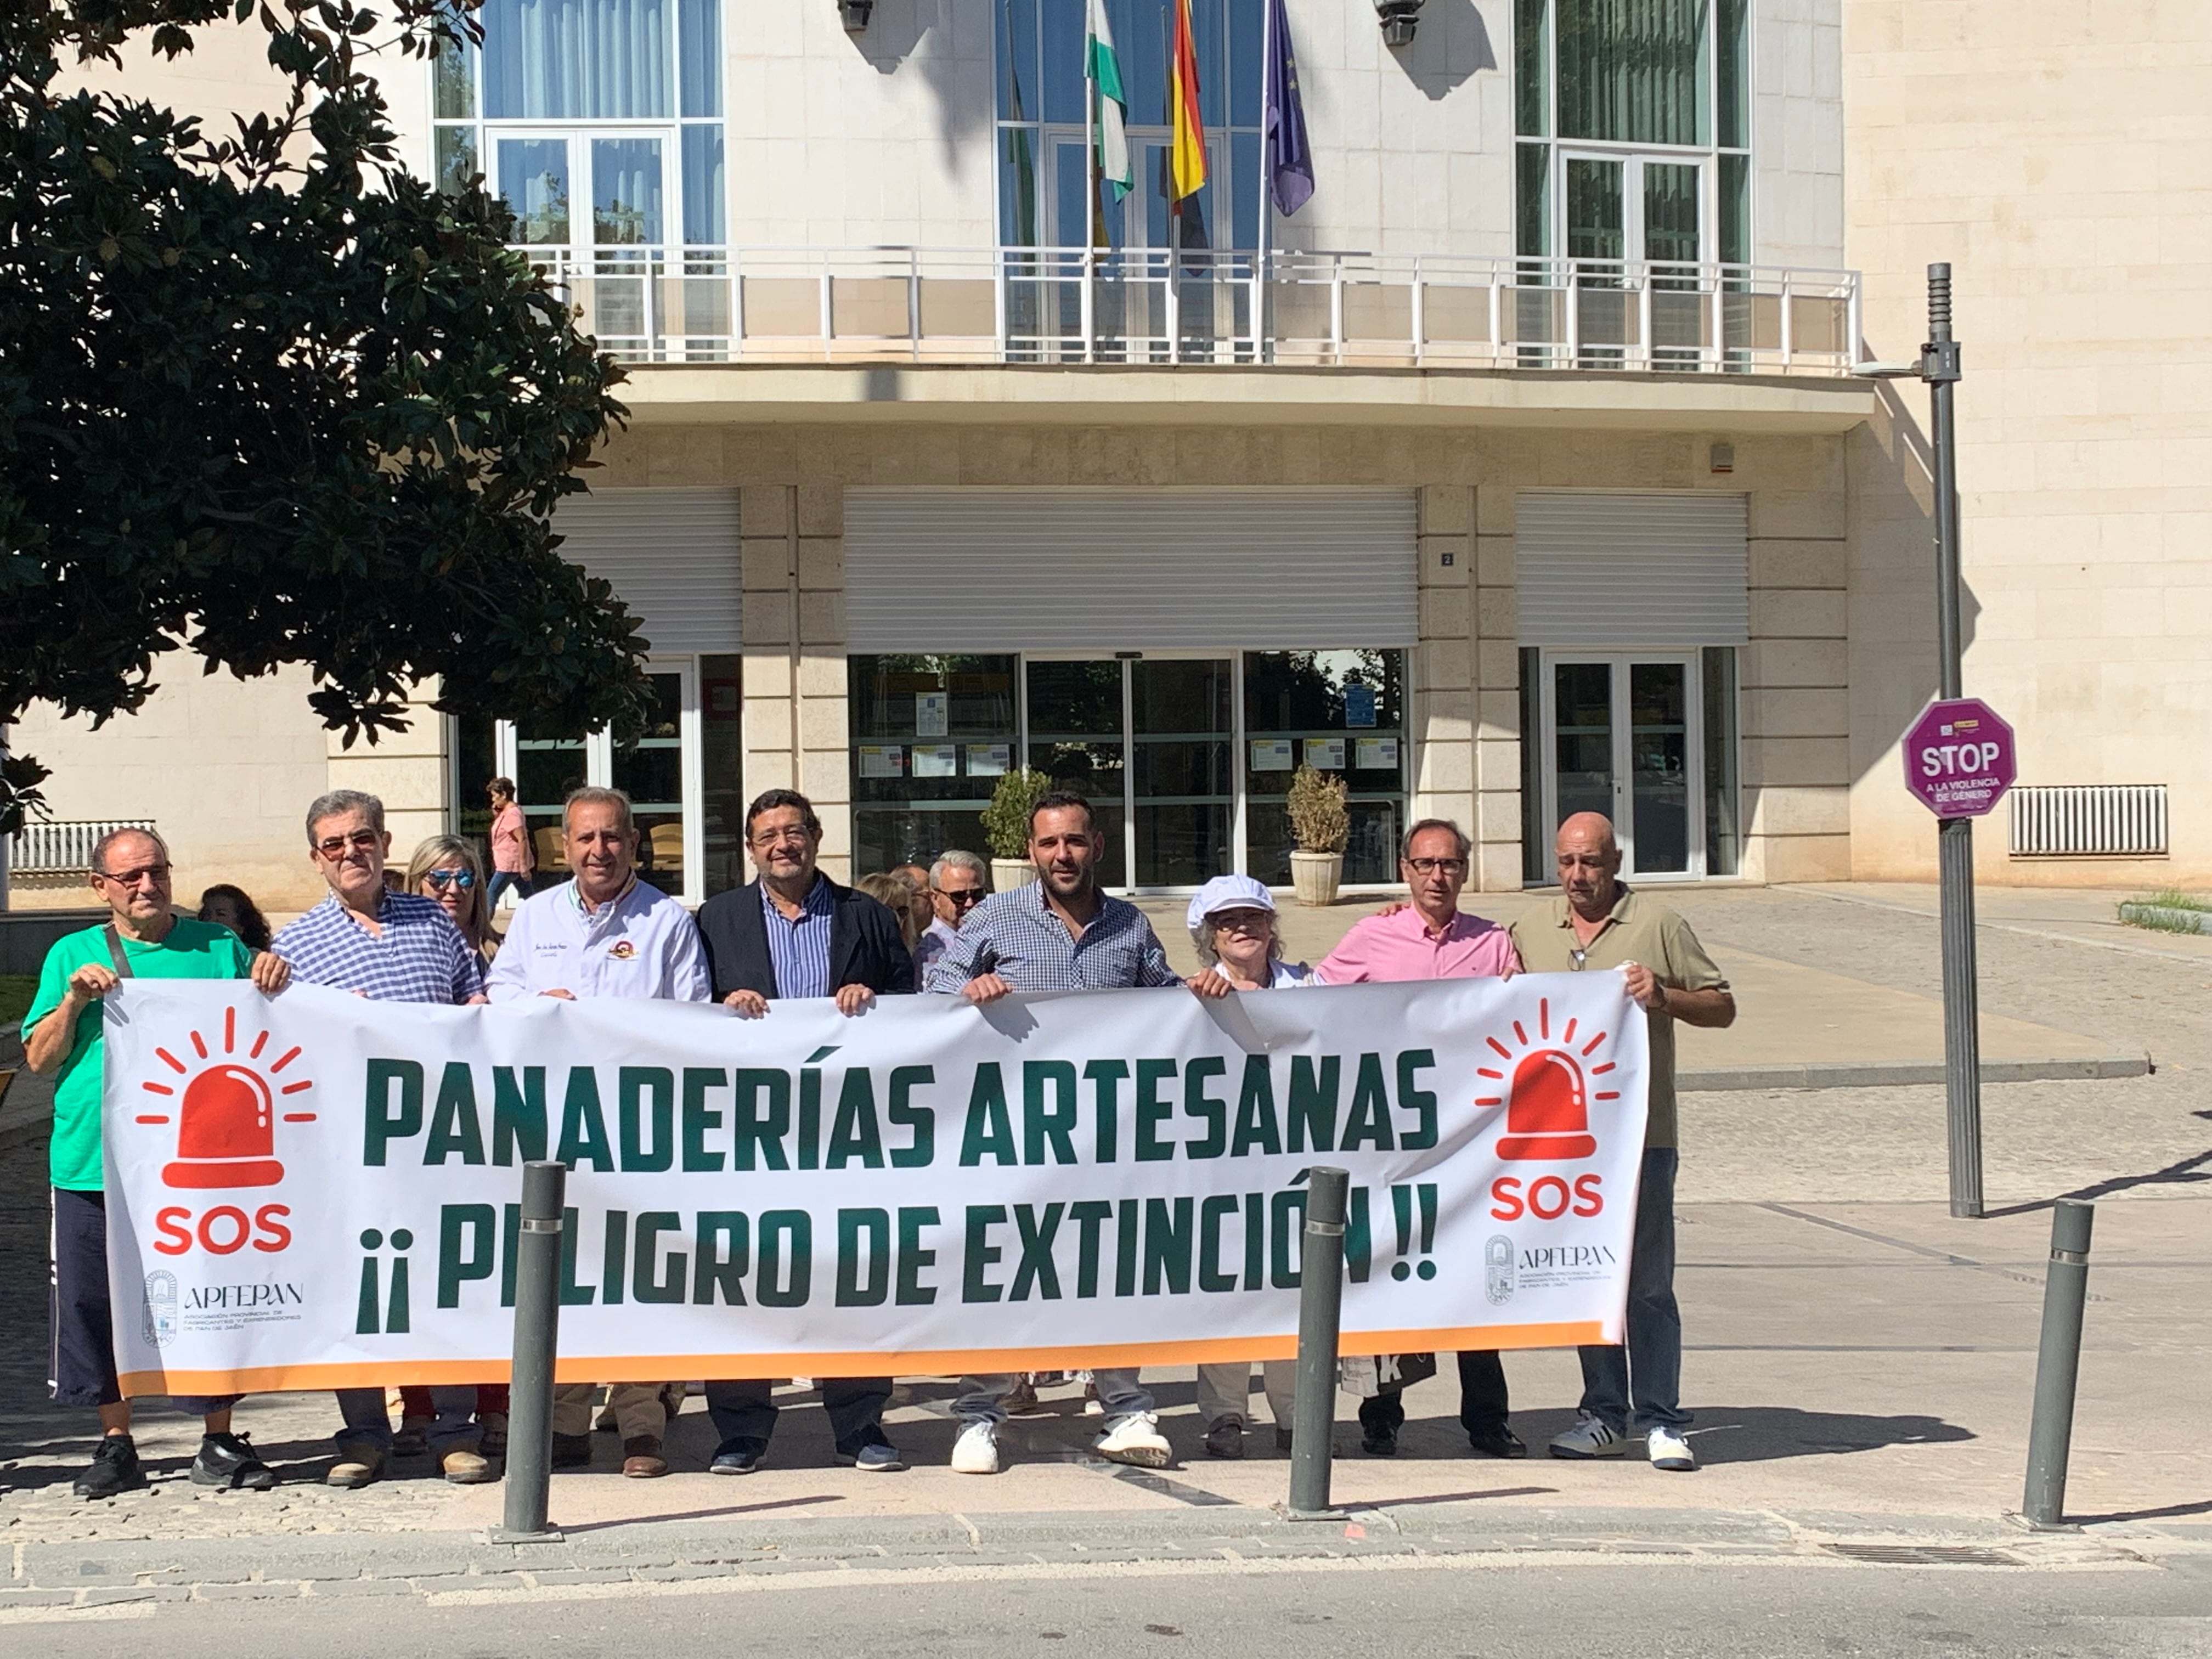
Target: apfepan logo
<point>1498,1275</point>
<point>161,1307</point>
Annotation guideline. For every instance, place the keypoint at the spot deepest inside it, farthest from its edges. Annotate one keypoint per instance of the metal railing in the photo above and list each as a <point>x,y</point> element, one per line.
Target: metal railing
<point>62,847</point>
<point>1150,307</point>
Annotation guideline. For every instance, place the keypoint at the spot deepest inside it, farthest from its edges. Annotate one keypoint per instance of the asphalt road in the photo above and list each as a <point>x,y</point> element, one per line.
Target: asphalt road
<point>1344,1610</point>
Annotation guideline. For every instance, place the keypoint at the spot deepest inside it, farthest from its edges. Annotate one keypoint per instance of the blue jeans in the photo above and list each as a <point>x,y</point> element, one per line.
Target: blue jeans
<point>1648,1370</point>
<point>981,1397</point>
<point>367,1423</point>
<point>500,881</point>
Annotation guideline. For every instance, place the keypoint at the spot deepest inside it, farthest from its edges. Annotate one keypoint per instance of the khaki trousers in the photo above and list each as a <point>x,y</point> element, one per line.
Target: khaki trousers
<point>638,1410</point>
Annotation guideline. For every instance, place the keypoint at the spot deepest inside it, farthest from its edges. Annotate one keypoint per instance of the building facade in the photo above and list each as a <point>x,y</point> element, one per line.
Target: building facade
<point>1522,469</point>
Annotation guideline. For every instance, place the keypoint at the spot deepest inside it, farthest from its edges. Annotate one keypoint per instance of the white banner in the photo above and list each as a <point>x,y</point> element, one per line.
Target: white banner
<point>315,1190</point>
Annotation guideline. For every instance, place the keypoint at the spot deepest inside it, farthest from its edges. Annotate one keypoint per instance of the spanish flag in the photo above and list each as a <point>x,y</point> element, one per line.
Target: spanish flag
<point>1187,162</point>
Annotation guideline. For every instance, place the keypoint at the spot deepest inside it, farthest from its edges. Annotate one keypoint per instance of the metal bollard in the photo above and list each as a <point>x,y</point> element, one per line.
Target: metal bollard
<point>1321,1310</point>
<point>537,1340</point>
<point>2057,1364</point>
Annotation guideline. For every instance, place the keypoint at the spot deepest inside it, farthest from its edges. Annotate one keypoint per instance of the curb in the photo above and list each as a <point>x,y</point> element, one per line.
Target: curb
<point>2165,919</point>
<point>1899,1074</point>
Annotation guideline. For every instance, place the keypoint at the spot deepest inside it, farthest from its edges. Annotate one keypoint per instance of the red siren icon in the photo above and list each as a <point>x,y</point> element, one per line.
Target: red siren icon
<point>227,1136</point>
<point>1547,1115</point>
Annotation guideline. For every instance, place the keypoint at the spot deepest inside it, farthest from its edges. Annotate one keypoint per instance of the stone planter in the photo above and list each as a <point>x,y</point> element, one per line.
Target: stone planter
<point>1007,874</point>
<point>1317,876</point>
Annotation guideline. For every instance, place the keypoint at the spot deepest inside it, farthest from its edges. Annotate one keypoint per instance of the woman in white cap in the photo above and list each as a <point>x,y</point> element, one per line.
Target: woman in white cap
<point>1232,923</point>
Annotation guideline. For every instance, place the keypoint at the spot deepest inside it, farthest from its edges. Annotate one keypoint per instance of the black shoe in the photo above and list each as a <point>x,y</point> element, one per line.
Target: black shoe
<point>740,1453</point>
<point>1378,1442</point>
<point>571,1452</point>
<point>871,1453</point>
<point>114,1469</point>
<point>1497,1441</point>
<point>228,1460</point>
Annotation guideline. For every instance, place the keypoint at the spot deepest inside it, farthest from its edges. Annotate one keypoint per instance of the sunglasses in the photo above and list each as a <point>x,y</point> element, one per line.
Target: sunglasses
<point>335,847</point>
<point>442,879</point>
<point>133,877</point>
<point>962,901</point>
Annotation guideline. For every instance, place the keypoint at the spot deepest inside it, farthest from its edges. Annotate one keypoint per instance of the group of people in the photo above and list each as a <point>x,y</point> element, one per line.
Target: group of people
<point>794,933</point>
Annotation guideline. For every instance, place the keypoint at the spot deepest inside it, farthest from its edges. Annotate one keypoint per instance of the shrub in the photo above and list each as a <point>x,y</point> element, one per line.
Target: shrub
<point>1007,819</point>
<point>1319,817</point>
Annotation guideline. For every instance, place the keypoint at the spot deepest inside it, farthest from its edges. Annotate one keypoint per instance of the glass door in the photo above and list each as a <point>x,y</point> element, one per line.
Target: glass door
<point>1634,221</point>
<point>652,775</point>
<point>533,172</point>
<point>1078,721</point>
<point>1183,788</point>
<point>1624,739</point>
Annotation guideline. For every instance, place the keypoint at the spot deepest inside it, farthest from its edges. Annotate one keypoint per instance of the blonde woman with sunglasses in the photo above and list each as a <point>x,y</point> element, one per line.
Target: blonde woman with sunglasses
<point>446,869</point>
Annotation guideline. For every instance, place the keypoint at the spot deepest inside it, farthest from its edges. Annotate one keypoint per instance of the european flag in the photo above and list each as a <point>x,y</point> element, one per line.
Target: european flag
<point>1288,157</point>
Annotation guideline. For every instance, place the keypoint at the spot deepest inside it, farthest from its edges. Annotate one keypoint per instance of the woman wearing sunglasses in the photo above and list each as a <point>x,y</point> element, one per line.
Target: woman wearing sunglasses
<point>446,868</point>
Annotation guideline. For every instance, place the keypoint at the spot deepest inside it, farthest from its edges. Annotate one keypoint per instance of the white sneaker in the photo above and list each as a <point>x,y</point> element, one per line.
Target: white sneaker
<point>976,1450</point>
<point>1671,1451</point>
<point>1591,1436</point>
<point>1135,1439</point>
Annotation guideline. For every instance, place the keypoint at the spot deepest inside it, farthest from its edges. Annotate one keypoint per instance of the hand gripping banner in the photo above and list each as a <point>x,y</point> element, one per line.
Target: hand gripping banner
<point>314,1190</point>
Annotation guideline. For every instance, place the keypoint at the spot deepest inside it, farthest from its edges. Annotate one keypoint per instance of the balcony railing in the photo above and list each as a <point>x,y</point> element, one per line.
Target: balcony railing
<point>1062,306</point>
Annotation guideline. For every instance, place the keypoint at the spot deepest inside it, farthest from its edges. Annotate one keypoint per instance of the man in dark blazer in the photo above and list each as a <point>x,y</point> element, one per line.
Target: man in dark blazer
<point>792,932</point>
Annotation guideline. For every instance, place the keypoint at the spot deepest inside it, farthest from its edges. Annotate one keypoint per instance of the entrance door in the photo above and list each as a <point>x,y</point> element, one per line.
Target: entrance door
<point>1624,740</point>
<point>1151,742</point>
<point>1634,222</point>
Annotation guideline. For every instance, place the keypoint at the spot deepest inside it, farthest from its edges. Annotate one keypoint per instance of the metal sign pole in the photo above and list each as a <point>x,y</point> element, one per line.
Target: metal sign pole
<point>1954,836</point>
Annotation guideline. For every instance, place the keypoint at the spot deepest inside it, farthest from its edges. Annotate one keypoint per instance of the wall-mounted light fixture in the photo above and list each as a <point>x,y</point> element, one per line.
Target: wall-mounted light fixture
<point>1398,18</point>
<point>854,14</point>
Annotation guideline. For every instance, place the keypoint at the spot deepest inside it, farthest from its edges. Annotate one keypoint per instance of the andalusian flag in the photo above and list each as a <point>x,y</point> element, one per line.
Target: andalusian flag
<point>1187,165</point>
<point>1103,70</point>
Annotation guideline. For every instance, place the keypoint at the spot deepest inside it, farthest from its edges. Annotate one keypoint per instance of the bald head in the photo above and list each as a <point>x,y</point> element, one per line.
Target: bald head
<point>1589,860</point>
<point>1593,831</point>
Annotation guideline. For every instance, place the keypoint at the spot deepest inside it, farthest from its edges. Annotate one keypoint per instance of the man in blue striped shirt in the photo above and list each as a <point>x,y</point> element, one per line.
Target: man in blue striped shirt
<point>388,947</point>
<point>1059,932</point>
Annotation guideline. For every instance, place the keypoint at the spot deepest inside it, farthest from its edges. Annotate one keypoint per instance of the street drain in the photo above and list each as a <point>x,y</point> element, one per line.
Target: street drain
<point>1925,1555</point>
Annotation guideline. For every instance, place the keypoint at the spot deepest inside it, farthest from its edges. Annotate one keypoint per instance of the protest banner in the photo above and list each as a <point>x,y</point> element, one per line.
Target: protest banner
<point>314,1190</point>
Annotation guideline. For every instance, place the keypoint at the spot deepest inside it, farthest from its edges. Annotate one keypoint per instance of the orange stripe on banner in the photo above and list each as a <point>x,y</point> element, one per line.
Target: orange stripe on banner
<point>926,1362</point>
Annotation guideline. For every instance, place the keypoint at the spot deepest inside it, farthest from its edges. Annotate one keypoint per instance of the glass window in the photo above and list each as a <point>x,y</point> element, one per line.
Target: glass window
<point>1339,711</point>
<point>476,764</point>
<point>1535,837</point>
<point>1079,738</point>
<point>1532,68</point>
<point>721,772</point>
<point>546,63</point>
<point>652,775</point>
<point>1633,70</point>
<point>931,737</point>
<point>1724,805</point>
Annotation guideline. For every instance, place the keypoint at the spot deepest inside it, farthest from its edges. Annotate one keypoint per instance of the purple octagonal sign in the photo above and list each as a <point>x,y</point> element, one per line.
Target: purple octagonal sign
<point>1959,758</point>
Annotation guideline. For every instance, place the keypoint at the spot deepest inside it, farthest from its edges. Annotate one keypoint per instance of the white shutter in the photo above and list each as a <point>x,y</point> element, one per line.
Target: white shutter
<point>671,553</point>
<point>1133,569</point>
<point>1630,569</point>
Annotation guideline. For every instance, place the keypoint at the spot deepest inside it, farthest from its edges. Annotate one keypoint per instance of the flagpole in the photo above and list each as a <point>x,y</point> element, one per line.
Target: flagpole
<point>1173,315</point>
<point>1263,345</point>
<point>1092,222</point>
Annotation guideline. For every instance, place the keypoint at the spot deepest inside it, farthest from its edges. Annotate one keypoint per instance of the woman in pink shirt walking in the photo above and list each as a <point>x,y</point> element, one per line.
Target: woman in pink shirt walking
<point>512,862</point>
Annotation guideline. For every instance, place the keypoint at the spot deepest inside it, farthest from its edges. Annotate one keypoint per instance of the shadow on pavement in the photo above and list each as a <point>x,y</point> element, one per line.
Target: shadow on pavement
<point>1759,1434</point>
<point>2182,1172</point>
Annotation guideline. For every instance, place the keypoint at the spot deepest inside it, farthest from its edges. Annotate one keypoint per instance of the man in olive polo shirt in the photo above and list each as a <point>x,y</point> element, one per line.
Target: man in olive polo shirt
<point>1599,922</point>
<point>144,937</point>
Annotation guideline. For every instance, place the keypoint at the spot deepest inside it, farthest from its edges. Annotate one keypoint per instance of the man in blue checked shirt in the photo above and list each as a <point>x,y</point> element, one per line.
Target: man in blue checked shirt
<point>1059,932</point>
<point>388,947</point>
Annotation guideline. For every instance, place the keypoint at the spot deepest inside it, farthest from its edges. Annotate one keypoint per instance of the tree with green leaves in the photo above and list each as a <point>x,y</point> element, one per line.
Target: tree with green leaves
<point>266,397</point>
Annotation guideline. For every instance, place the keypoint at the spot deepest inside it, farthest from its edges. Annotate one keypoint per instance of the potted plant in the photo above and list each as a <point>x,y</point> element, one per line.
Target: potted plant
<point>1322,824</point>
<point>1006,826</point>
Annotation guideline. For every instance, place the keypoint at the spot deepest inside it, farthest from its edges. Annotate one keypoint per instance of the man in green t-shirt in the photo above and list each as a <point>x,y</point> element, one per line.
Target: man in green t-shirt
<point>143,939</point>
<point>1599,922</point>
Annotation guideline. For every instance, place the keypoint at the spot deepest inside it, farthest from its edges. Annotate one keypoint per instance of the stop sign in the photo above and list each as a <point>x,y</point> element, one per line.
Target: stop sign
<point>1959,758</point>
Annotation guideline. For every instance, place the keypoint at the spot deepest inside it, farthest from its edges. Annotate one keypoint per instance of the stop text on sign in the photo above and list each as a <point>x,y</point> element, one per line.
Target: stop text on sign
<point>1959,758</point>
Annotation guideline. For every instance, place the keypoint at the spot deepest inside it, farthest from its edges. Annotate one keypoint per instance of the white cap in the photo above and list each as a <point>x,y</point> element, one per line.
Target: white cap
<point>1230,893</point>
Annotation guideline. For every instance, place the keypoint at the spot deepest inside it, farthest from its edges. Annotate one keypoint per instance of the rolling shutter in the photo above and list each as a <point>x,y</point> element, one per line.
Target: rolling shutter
<point>672,556</point>
<point>1129,569</point>
<point>1631,569</point>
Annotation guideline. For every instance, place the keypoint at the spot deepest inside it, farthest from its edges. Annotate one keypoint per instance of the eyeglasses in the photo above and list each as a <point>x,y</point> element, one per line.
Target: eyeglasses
<point>796,834</point>
<point>335,847</point>
<point>1437,866</point>
<point>962,899</point>
<point>1242,920</point>
<point>133,877</point>
<point>442,879</point>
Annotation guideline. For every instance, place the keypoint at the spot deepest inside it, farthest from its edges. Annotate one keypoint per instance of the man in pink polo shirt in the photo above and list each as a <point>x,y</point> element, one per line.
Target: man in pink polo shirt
<point>1430,938</point>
